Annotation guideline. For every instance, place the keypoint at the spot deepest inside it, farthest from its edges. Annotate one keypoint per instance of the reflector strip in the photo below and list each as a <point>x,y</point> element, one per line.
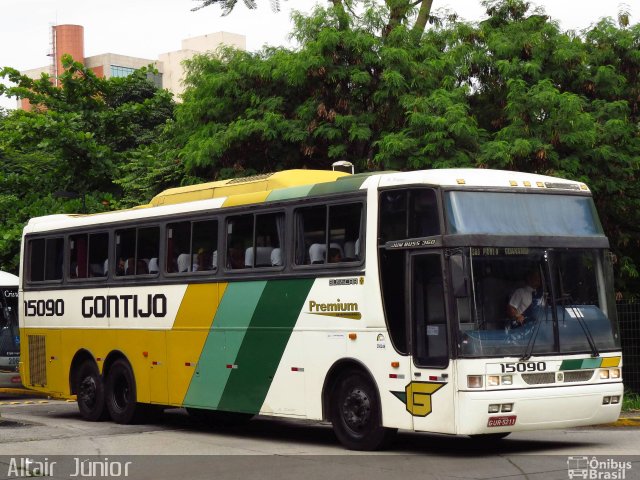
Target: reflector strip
<point>232,366</point>
<point>297,369</point>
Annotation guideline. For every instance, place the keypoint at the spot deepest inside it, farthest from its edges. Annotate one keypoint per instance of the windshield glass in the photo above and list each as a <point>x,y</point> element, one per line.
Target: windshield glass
<point>521,214</point>
<point>9,336</point>
<point>523,301</point>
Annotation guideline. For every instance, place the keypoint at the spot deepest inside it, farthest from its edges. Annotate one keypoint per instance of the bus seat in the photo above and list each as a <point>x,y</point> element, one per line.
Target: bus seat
<point>337,246</point>
<point>350,250</point>
<point>105,269</point>
<point>316,252</point>
<point>276,257</point>
<point>184,262</point>
<point>153,265</point>
<point>263,256</point>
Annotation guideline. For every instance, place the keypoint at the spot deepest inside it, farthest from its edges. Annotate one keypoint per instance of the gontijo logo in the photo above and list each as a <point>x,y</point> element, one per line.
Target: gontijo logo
<point>337,309</point>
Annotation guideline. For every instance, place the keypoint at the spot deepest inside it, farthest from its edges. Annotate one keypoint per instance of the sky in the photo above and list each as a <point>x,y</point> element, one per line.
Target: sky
<point>147,28</point>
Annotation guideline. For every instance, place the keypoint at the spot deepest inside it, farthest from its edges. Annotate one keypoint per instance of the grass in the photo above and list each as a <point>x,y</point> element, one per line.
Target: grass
<point>631,401</point>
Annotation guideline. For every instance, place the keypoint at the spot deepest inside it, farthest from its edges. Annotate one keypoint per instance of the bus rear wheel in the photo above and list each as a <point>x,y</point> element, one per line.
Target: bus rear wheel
<point>89,389</point>
<point>121,399</point>
<point>356,414</point>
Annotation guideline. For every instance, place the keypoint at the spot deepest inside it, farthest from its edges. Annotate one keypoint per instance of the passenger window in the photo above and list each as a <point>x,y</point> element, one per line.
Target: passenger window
<point>136,250</point>
<point>255,241</point>
<point>88,255</point>
<point>192,247</point>
<point>408,214</point>
<point>45,259</point>
<point>328,234</point>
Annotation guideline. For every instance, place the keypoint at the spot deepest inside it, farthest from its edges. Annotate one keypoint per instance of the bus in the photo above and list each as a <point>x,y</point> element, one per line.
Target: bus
<point>9,333</point>
<point>376,301</point>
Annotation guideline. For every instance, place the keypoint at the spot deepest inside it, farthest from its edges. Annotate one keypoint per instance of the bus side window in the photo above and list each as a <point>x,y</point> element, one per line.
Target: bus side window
<point>336,227</point>
<point>45,259</point>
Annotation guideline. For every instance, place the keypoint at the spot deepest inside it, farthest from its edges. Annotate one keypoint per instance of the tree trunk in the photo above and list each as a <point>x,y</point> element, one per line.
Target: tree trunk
<point>423,17</point>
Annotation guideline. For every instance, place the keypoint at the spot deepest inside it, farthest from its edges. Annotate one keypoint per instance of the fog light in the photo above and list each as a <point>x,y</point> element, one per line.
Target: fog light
<point>494,380</point>
<point>474,381</point>
<point>494,408</point>
<point>507,407</point>
<point>606,400</point>
<point>615,373</point>
<point>604,374</point>
<point>507,380</point>
<point>615,400</point>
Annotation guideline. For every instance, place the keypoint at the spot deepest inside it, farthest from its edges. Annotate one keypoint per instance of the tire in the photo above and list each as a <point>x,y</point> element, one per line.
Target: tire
<point>356,414</point>
<point>89,389</point>
<point>120,398</point>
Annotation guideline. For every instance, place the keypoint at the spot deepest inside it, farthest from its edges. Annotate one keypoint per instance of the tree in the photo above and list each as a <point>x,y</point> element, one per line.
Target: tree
<point>399,12</point>
<point>511,92</point>
<point>76,138</point>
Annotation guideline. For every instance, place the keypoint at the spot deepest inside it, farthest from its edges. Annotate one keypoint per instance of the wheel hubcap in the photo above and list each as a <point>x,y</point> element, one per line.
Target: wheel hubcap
<point>121,393</point>
<point>356,410</point>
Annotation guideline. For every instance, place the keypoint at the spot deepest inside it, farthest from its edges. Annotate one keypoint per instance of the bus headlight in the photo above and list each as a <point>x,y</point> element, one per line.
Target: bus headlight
<point>474,381</point>
<point>507,380</point>
<point>614,373</point>
<point>604,374</point>
<point>494,381</point>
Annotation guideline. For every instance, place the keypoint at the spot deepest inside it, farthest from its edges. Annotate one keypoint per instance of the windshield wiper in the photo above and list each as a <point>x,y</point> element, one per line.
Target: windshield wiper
<point>536,328</point>
<point>574,312</point>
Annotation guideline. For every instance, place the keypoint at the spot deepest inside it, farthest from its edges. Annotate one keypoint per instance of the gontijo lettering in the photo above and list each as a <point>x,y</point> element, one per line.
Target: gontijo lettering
<point>116,306</point>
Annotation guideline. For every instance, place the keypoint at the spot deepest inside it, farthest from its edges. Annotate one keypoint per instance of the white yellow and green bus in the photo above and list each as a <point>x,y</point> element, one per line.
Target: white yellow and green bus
<point>9,333</point>
<point>376,301</point>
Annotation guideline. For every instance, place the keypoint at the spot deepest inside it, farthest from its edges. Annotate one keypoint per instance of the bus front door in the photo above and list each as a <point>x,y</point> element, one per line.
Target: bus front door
<point>430,395</point>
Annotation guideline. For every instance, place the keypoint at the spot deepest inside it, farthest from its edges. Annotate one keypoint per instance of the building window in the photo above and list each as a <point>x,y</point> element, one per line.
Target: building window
<point>117,71</point>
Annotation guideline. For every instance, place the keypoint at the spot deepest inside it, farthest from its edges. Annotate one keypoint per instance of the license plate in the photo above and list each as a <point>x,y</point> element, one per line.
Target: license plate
<point>502,421</point>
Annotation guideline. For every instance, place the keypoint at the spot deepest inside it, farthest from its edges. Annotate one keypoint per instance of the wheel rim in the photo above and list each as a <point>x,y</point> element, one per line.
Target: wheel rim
<point>121,393</point>
<point>356,410</point>
<point>87,391</point>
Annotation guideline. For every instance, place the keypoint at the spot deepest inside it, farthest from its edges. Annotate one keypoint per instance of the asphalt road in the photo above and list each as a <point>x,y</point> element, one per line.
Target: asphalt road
<point>178,447</point>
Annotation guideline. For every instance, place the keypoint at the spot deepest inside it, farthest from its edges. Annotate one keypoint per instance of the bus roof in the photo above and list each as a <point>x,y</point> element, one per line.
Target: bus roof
<point>291,184</point>
<point>8,279</point>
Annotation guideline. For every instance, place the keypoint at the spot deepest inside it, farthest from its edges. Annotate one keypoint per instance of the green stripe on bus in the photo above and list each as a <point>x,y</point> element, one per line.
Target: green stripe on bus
<point>574,364</point>
<point>580,363</point>
<point>264,344</point>
<point>345,184</point>
<point>289,193</point>
<point>231,320</point>
<point>591,362</point>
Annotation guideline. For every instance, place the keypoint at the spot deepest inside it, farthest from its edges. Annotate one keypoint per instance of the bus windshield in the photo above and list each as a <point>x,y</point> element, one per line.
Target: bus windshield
<point>502,213</point>
<point>524,301</point>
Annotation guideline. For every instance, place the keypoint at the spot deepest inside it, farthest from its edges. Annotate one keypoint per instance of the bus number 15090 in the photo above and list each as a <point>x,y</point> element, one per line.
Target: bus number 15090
<point>523,367</point>
<point>44,308</point>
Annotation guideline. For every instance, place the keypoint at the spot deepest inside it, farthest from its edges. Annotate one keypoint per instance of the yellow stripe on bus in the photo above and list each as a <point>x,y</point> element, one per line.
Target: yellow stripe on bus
<point>610,362</point>
<point>189,334</point>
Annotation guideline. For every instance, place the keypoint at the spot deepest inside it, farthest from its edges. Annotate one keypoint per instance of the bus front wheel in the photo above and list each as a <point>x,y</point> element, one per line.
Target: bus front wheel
<point>356,414</point>
<point>90,392</point>
<point>121,396</point>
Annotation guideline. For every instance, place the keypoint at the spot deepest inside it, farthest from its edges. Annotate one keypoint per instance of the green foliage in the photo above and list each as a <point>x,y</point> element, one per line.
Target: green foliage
<point>512,92</point>
<point>77,137</point>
